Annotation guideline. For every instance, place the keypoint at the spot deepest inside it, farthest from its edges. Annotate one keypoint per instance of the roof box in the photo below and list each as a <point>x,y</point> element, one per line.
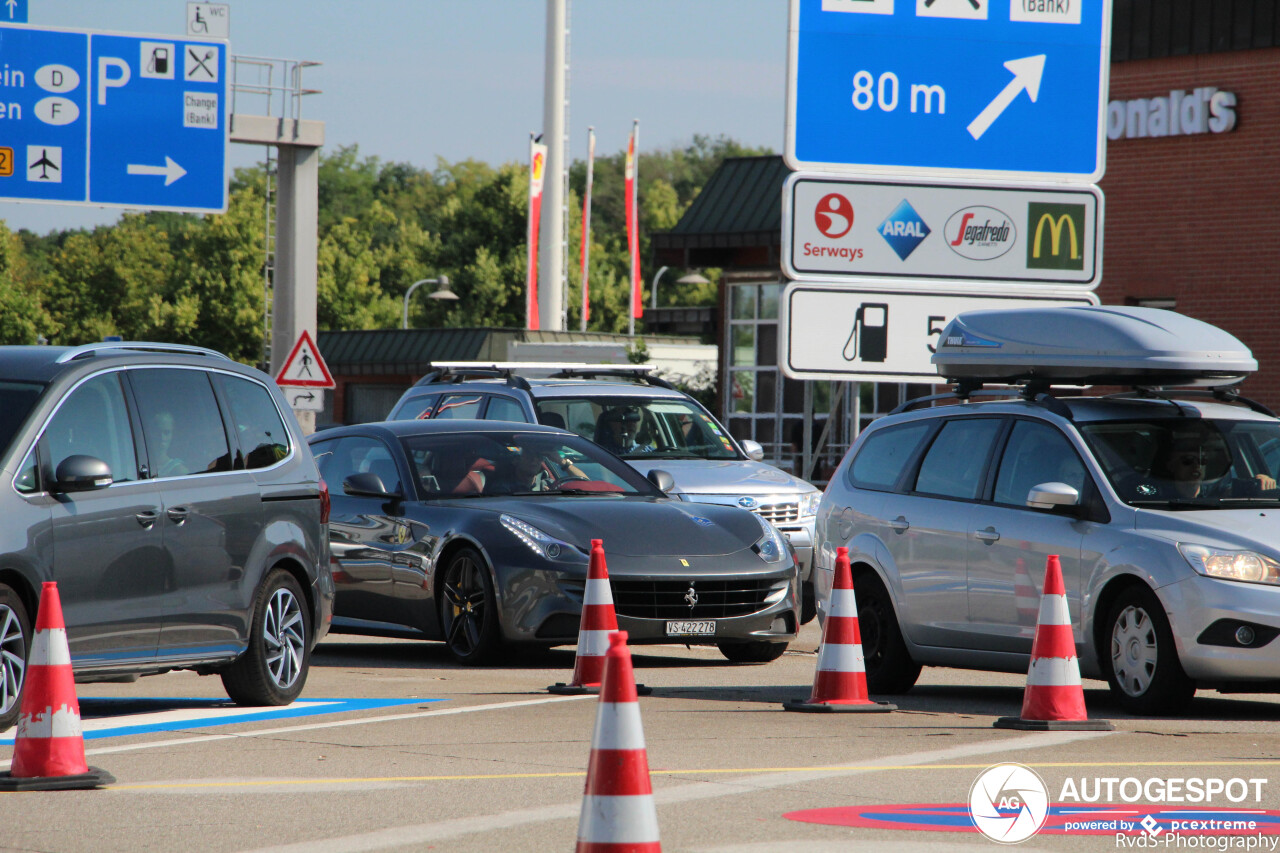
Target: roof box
<point>1090,345</point>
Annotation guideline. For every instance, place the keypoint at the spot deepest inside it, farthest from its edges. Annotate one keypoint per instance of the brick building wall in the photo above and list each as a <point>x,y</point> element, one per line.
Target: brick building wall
<point>1196,219</point>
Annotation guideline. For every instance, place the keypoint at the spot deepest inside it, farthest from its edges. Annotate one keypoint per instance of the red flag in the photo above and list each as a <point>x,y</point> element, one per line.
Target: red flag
<point>633,223</point>
<point>537,165</point>
<point>586,228</point>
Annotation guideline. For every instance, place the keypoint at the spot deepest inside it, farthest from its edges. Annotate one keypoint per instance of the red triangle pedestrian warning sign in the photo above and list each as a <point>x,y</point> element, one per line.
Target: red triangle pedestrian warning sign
<point>304,368</point>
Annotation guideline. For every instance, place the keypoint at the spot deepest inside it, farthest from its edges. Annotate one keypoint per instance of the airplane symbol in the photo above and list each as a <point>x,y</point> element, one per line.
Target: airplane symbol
<point>45,165</point>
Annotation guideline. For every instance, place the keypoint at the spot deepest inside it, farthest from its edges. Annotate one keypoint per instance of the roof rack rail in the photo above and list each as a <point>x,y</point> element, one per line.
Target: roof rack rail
<point>593,371</point>
<point>453,372</point>
<point>1033,392</point>
<point>1223,394</point>
<point>90,350</point>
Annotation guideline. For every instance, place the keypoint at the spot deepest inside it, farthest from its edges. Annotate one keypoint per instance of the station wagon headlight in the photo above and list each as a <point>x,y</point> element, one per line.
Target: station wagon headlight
<point>809,503</point>
<point>771,546</point>
<point>1248,566</point>
<point>540,542</point>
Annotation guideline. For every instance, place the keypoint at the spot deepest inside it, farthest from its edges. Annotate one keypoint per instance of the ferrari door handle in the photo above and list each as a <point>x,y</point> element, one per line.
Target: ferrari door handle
<point>988,535</point>
<point>178,514</point>
<point>147,518</point>
<point>900,524</point>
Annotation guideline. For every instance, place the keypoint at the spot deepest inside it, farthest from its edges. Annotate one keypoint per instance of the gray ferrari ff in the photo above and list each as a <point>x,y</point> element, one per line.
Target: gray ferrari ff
<point>478,533</point>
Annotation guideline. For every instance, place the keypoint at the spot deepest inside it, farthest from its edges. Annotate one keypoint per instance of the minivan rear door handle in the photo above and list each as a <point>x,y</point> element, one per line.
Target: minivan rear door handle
<point>900,524</point>
<point>147,518</point>
<point>988,535</point>
<point>178,514</point>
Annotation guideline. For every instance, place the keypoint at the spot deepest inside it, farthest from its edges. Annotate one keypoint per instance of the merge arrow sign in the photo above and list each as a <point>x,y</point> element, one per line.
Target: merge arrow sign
<point>1027,73</point>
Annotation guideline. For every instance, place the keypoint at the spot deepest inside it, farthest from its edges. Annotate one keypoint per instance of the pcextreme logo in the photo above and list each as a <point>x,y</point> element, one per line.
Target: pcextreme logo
<point>1055,236</point>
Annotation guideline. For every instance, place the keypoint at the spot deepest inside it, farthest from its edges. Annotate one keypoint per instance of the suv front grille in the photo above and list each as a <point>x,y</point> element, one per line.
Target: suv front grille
<point>666,599</point>
<point>788,513</point>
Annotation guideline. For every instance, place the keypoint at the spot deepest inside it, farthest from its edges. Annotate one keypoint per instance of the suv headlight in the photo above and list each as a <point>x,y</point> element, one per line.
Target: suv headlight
<point>540,542</point>
<point>809,503</point>
<point>1248,566</point>
<point>771,547</point>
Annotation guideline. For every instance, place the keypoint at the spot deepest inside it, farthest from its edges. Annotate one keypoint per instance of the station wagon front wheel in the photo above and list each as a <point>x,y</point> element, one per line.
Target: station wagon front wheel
<point>1141,662</point>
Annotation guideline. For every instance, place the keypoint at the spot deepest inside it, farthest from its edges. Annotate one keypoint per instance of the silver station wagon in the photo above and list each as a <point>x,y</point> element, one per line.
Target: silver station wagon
<point>1161,506</point>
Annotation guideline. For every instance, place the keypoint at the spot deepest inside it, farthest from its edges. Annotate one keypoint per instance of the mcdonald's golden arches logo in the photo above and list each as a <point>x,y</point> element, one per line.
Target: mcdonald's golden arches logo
<point>1055,236</point>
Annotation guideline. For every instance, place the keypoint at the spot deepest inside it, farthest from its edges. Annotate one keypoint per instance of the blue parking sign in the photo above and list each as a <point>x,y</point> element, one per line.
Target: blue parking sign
<point>992,88</point>
<point>107,119</point>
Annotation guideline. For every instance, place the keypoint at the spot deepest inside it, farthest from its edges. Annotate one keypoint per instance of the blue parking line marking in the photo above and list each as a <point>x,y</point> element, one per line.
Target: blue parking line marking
<point>103,717</point>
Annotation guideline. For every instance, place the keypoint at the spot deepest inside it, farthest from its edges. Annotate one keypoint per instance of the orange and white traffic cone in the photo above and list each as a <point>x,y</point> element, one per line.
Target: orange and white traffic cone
<point>599,620</point>
<point>618,812</point>
<point>841,681</point>
<point>48,749</point>
<point>1054,698</point>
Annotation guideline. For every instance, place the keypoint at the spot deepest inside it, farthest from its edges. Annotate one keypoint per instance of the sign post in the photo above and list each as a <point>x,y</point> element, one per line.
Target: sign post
<point>105,119</point>
<point>304,376</point>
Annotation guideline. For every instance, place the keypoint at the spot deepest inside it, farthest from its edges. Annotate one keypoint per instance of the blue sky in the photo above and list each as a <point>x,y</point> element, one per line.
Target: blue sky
<point>419,80</point>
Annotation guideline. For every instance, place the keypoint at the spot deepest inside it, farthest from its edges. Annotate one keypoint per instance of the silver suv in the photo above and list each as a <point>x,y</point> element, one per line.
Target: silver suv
<point>1162,511</point>
<point>640,417</point>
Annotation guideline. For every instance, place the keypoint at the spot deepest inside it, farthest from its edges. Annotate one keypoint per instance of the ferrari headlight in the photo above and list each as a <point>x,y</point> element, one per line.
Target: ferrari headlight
<point>771,546</point>
<point>540,542</point>
<point>1248,566</point>
<point>809,503</point>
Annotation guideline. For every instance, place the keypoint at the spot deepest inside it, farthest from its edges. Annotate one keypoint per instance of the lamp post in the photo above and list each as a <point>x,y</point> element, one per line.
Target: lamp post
<point>443,293</point>
<point>691,278</point>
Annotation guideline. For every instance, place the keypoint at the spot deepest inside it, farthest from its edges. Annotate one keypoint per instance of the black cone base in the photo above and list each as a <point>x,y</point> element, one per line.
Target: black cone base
<point>1054,725</point>
<point>831,708</point>
<point>594,689</point>
<point>95,778</point>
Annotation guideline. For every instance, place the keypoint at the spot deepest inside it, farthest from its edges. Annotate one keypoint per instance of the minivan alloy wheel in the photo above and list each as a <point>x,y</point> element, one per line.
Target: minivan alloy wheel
<point>283,629</point>
<point>1134,650</point>
<point>13,659</point>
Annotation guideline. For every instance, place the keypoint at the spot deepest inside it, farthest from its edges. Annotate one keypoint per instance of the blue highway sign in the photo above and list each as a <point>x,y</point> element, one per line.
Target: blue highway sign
<point>949,88</point>
<point>108,119</point>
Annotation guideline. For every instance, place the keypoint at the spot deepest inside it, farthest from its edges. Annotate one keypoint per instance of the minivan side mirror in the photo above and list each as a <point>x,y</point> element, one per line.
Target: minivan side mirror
<point>368,485</point>
<point>81,473</point>
<point>1050,495</point>
<point>663,480</point>
<point>753,449</point>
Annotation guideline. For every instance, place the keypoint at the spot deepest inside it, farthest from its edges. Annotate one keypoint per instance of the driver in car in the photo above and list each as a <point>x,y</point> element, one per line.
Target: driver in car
<point>540,472</point>
<point>1184,466</point>
<point>617,428</point>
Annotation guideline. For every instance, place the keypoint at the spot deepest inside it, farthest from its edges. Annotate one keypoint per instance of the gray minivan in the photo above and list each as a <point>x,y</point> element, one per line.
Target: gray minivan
<point>1160,505</point>
<point>170,494</point>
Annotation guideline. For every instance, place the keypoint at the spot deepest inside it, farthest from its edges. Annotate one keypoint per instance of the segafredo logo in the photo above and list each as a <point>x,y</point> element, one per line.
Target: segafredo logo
<point>980,233</point>
<point>1008,803</point>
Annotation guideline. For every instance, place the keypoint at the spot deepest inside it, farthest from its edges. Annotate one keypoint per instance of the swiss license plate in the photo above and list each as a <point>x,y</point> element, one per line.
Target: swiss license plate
<point>702,628</point>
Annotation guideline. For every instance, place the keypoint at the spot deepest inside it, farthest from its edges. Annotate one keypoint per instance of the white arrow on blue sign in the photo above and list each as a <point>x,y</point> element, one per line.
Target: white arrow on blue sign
<point>949,88</point>
<point>109,119</point>
<point>13,11</point>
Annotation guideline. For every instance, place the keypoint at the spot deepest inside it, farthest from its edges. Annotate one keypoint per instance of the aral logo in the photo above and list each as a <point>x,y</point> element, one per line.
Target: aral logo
<point>1008,803</point>
<point>833,215</point>
<point>1055,236</point>
<point>903,230</point>
<point>980,233</point>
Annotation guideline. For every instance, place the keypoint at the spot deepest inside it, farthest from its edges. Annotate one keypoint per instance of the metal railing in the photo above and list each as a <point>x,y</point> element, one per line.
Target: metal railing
<point>277,82</point>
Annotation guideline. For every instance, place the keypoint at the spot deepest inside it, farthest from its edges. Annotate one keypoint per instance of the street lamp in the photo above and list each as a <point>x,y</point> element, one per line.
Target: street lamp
<point>691,278</point>
<point>443,293</point>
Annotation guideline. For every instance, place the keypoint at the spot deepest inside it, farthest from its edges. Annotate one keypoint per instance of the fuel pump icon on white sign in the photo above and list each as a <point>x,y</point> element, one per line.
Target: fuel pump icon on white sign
<point>869,339</point>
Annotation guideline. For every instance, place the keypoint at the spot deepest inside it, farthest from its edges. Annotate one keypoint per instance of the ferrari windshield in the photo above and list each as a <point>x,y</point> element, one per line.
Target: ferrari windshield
<point>642,427</point>
<point>1182,463</point>
<point>490,463</point>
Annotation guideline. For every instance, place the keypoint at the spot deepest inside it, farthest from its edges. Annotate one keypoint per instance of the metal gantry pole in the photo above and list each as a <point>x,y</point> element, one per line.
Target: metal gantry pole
<point>551,263</point>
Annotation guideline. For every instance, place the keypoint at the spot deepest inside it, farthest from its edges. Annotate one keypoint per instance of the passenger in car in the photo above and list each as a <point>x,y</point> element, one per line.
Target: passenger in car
<point>162,464</point>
